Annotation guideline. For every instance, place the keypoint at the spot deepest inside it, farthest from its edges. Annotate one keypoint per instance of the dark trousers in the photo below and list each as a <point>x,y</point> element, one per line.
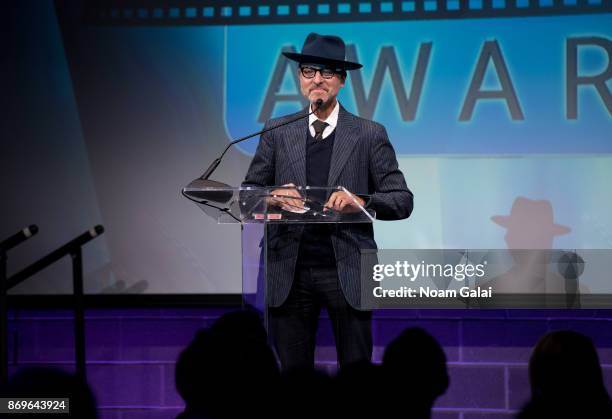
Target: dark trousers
<point>293,325</point>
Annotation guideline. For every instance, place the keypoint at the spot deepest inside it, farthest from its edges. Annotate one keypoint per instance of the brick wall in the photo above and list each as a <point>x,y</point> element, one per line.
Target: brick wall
<point>131,352</point>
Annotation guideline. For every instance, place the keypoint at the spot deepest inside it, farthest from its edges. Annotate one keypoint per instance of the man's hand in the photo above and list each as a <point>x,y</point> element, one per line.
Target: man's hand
<point>283,198</point>
<point>344,202</point>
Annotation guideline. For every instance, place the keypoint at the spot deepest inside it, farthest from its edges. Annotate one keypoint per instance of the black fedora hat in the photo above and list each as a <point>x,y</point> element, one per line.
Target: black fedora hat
<point>328,50</point>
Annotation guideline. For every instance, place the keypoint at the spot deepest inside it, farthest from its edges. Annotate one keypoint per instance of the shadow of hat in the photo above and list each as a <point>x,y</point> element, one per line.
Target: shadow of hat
<point>327,50</point>
<point>531,212</point>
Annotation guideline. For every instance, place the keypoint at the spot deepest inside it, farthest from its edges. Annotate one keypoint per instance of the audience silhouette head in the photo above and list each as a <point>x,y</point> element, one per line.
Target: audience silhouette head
<point>414,365</point>
<point>566,379</point>
<point>227,369</point>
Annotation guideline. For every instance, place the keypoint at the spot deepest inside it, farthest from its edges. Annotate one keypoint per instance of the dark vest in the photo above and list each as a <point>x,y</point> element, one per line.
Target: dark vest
<point>316,247</point>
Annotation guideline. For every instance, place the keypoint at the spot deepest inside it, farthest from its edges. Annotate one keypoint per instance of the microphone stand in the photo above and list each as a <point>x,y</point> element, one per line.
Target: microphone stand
<point>5,246</point>
<point>72,248</point>
<point>203,182</point>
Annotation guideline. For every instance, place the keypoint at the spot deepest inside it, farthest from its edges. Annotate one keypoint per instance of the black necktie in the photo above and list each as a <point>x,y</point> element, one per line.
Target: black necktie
<point>319,126</point>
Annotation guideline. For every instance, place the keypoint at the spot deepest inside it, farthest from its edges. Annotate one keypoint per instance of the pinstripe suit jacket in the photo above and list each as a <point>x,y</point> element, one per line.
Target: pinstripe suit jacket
<point>363,161</point>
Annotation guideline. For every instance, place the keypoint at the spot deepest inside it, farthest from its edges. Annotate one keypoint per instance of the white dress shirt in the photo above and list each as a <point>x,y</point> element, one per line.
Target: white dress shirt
<point>332,121</point>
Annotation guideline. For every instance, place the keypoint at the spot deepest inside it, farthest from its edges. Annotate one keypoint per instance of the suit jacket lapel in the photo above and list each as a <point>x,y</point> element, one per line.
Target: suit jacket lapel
<point>346,138</point>
<point>295,142</point>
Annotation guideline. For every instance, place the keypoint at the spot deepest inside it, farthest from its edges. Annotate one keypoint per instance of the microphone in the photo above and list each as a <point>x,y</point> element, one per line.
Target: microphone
<point>19,237</point>
<point>204,182</point>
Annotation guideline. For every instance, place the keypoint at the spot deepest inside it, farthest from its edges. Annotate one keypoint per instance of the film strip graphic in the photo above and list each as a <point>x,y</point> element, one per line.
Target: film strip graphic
<point>249,12</point>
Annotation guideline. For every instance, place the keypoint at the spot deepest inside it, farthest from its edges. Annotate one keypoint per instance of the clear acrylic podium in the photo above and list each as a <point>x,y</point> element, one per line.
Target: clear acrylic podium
<point>257,208</point>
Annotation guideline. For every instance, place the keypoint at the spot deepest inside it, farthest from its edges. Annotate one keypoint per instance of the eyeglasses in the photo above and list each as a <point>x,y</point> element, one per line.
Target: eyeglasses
<point>310,72</point>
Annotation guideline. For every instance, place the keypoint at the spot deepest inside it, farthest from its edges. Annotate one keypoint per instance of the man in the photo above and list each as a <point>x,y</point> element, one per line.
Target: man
<point>315,266</point>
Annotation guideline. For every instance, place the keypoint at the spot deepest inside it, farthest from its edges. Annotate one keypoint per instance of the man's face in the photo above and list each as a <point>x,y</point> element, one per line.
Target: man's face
<point>319,87</point>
